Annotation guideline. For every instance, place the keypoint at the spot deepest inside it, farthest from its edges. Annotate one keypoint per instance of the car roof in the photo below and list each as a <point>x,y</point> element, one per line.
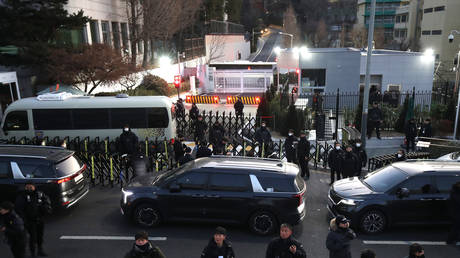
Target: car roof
<point>413,167</point>
<point>54,154</point>
<point>248,163</point>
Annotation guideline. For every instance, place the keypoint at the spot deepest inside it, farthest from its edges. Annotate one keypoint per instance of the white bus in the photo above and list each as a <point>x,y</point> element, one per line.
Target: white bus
<point>86,116</point>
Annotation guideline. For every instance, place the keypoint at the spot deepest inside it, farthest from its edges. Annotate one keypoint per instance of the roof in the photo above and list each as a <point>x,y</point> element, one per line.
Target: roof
<point>248,163</point>
<point>91,102</point>
<point>413,167</point>
<point>54,154</point>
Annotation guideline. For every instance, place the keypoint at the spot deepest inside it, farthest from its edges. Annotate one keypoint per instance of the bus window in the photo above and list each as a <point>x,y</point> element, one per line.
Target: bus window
<point>135,117</point>
<point>157,118</point>
<point>16,121</point>
<point>52,119</point>
<point>95,118</point>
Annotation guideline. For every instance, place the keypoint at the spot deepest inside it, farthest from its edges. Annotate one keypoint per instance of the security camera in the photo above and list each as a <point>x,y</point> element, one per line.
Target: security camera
<point>451,38</point>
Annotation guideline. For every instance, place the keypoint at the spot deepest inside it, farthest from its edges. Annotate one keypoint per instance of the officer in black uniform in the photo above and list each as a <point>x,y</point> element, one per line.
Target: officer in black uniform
<point>285,246</point>
<point>203,150</point>
<point>303,151</point>
<point>289,146</point>
<point>13,227</point>
<point>411,133</point>
<point>264,139</point>
<point>335,160</point>
<point>200,129</point>
<point>194,112</point>
<point>187,157</point>
<point>128,142</point>
<point>33,206</point>
<point>360,152</point>
<point>239,106</point>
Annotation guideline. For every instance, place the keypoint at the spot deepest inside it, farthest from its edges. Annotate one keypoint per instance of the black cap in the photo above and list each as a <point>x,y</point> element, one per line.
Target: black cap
<point>141,235</point>
<point>220,231</point>
<point>7,205</point>
<point>340,219</point>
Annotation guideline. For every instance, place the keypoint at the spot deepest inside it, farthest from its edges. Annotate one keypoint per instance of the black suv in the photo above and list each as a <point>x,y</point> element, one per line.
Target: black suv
<point>55,171</point>
<point>258,192</point>
<point>410,192</point>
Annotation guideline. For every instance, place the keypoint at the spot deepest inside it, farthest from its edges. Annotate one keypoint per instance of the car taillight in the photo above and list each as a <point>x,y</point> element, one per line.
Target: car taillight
<point>299,197</point>
<point>67,179</point>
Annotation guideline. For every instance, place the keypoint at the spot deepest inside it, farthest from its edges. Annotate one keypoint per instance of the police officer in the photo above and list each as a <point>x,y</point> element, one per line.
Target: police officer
<point>216,134</point>
<point>179,147</point>
<point>33,206</point>
<point>200,129</point>
<point>13,227</point>
<point>360,152</point>
<point>218,246</point>
<point>194,112</point>
<point>180,109</point>
<point>339,238</point>
<point>426,131</point>
<point>128,142</point>
<point>187,157</point>
<point>203,150</point>
<point>263,138</point>
<point>411,133</point>
<point>289,146</point>
<point>285,246</point>
<point>351,164</point>
<point>400,155</point>
<point>239,106</point>
<point>375,119</point>
<point>303,151</point>
<point>335,160</point>
<point>143,248</point>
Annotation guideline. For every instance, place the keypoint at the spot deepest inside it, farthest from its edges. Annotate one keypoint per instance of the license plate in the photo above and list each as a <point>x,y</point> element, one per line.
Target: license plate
<point>78,178</point>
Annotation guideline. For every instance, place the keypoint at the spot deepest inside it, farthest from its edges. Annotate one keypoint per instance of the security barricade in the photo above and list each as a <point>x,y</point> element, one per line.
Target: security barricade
<point>384,160</point>
<point>249,100</point>
<point>202,99</point>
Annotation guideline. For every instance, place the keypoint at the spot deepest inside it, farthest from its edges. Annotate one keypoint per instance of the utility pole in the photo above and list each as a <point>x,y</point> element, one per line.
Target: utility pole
<point>458,91</point>
<point>370,46</point>
<point>337,115</point>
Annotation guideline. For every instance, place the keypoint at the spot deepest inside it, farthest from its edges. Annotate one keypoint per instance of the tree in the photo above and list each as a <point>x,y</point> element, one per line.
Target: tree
<point>214,9</point>
<point>359,37</point>
<point>155,85</point>
<point>321,37</point>
<point>290,24</point>
<point>32,27</point>
<point>233,10</point>
<point>134,13</point>
<point>91,66</point>
<point>216,48</point>
<point>129,81</point>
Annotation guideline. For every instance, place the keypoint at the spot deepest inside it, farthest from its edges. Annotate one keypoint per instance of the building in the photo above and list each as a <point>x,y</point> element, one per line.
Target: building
<point>408,23</point>
<point>385,13</point>
<point>440,17</point>
<point>328,69</point>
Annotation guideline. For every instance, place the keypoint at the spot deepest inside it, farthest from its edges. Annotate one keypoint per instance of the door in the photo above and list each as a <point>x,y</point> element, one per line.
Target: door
<point>229,196</point>
<point>442,203</point>
<point>8,189</point>
<point>189,200</point>
<point>418,206</point>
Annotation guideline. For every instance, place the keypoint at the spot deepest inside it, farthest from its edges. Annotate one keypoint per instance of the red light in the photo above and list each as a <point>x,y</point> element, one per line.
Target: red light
<point>60,181</point>
<point>216,99</point>
<point>229,99</point>
<point>299,197</point>
<point>65,203</point>
<point>67,179</point>
<point>177,81</point>
<point>249,68</point>
<point>257,100</point>
<point>188,98</point>
<point>297,70</point>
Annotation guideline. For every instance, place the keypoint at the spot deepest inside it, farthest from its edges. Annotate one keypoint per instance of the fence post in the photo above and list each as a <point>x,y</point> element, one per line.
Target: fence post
<point>111,171</point>
<point>106,147</point>
<point>156,165</point>
<point>86,148</point>
<point>244,148</point>
<point>166,152</point>
<point>263,149</point>
<point>92,169</point>
<point>316,155</point>
<point>146,147</point>
<point>281,149</point>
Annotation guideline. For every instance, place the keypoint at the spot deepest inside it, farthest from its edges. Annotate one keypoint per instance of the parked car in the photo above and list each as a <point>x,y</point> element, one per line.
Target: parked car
<point>410,192</point>
<point>55,171</point>
<point>454,156</point>
<point>259,192</point>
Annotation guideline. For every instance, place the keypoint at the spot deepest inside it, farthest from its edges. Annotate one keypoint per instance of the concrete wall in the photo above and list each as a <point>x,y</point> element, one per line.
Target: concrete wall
<point>407,69</point>
<point>225,48</point>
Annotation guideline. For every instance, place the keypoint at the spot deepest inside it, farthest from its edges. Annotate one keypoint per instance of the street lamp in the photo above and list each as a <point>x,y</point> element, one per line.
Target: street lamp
<point>287,34</point>
<point>451,39</point>
<point>165,61</point>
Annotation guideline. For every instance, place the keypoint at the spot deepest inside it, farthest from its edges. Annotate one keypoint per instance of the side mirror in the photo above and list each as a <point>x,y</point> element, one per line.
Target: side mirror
<point>174,187</point>
<point>403,192</point>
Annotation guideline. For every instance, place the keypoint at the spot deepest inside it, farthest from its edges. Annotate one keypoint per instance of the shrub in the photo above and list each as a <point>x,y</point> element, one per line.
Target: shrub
<point>154,85</point>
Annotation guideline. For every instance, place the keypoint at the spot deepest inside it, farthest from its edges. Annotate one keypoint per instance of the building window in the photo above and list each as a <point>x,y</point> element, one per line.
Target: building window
<point>124,35</point>
<point>404,18</point>
<point>398,18</point>
<point>439,8</point>
<point>436,32</point>
<point>428,10</point>
<point>426,32</point>
<point>116,35</point>
<point>105,32</point>
<point>94,28</point>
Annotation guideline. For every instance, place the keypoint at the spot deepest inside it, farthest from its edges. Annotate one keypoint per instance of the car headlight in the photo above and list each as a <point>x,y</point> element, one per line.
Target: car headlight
<point>348,202</point>
<point>125,195</point>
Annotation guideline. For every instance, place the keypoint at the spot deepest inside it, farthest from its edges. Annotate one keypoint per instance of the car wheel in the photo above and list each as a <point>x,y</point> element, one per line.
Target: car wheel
<point>373,222</point>
<point>147,215</point>
<point>263,223</point>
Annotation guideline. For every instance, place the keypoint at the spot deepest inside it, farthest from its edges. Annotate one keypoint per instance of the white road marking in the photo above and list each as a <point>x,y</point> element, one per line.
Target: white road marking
<point>108,238</point>
<point>370,242</point>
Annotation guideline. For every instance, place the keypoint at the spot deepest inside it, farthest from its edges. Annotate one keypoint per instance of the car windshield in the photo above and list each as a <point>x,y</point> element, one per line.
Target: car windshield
<point>456,155</point>
<point>384,179</point>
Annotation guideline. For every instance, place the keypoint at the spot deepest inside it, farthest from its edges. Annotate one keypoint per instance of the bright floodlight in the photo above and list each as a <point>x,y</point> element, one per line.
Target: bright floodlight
<point>304,52</point>
<point>277,50</point>
<point>295,51</point>
<point>428,55</point>
<point>165,61</point>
